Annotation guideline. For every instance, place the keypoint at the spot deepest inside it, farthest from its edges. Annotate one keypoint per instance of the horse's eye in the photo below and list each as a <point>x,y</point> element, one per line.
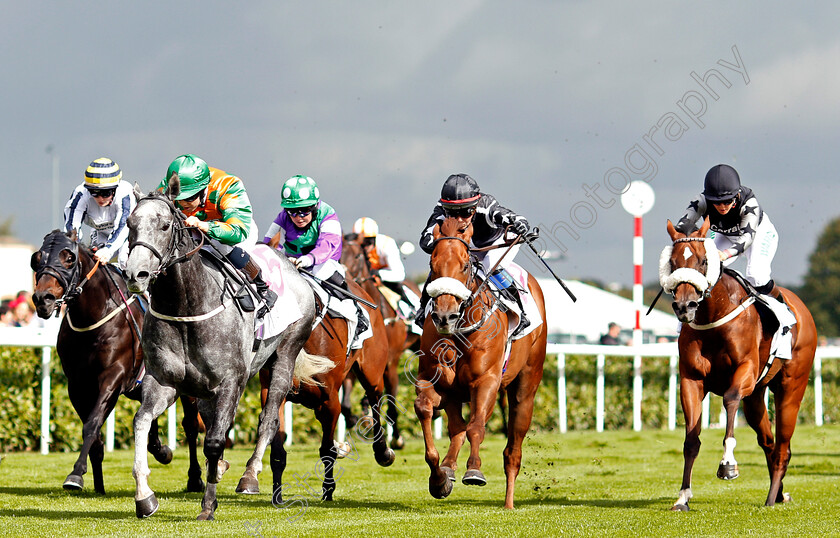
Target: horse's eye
<point>166,226</point>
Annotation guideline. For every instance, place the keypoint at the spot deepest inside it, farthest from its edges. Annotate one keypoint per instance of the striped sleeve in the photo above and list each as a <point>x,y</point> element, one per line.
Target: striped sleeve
<point>119,235</point>
<point>75,209</point>
<point>235,209</point>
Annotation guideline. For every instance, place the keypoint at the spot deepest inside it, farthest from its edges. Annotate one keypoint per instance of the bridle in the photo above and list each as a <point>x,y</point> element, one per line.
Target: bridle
<point>68,278</point>
<point>180,234</point>
<point>669,280</point>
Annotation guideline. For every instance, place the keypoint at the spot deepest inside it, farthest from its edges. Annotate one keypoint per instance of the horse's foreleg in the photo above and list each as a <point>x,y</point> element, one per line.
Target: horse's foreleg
<point>190,424</point>
<point>743,382</point>
<point>440,486</point>
<point>347,400</point>
<point>219,412</point>
<point>372,425</point>
<point>457,430</point>
<point>392,377</point>
<point>156,398</point>
<point>92,437</point>
<point>691,397</point>
<point>482,403</point>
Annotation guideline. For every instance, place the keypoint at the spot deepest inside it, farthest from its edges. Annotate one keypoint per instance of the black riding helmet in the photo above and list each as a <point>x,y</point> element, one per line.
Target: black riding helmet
<point>722,184</point>
<point>460,190</point>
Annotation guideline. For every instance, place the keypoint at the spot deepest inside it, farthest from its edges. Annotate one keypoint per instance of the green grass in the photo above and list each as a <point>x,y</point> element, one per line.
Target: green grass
<point>581,483</point>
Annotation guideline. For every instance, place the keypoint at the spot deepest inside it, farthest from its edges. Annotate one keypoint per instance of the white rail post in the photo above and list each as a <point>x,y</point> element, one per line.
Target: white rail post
<point>818,404</point>
<point>172,419</point>
<point>287,410</point>
<point>599,393</point>
<point>341,428</point>
<point>561,392</point>
<point>637,393</point>
<point>110,427</point>
<point>672,392</point>
<point>705,417</point>
<point>46,354</point>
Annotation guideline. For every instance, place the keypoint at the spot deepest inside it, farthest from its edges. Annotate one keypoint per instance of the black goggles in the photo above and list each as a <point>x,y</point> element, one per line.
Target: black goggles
<point>192,198</point>
<point>460,212</point>
<point>300,211</point>
<point>102,193</point>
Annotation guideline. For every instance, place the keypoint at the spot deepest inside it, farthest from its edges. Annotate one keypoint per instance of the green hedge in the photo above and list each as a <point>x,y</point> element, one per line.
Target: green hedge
<point>20,397</point>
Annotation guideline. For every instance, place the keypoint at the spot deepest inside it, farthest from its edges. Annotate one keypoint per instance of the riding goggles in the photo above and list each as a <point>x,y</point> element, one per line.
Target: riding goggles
<point>193,198</point>
<point>102,193</point>
<point>459,212</point>
<point>300,211</point>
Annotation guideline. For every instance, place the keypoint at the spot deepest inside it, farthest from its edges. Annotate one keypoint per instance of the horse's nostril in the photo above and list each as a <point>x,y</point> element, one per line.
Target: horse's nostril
<point>142,275</point>
<point>692,305</point>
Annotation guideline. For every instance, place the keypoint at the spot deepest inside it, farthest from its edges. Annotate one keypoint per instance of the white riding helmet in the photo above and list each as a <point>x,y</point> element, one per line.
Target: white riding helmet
<point>366,227</point>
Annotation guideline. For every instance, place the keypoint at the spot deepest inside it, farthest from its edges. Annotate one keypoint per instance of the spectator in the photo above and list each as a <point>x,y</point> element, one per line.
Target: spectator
<point>611,338</point>
<point>23,312</point>
<point>7,316</point>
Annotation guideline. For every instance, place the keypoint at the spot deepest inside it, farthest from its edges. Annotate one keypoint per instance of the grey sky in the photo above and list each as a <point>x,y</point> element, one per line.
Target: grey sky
<point>380,101</point>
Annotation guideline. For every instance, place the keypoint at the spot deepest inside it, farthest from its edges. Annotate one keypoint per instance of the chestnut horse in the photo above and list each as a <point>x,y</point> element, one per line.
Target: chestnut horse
<point>400,337</point>
<point>462,359</point>
<point>329,339</point>
<point>99,349</point>
<point>724,349</point>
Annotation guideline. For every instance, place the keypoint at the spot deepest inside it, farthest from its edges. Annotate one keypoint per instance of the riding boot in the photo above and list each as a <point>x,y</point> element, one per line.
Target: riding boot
<point>524,322</point>
<point>266,294</point>
<point>361,324</point>
<point>770,289</point>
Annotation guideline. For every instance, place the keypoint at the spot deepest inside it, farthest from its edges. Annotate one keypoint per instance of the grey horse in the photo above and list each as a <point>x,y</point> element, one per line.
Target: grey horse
<point>196,341</point>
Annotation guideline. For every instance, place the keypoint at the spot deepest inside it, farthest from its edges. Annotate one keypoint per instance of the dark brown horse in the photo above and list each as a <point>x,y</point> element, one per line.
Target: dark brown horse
<point>725,349</point>
<point>400,337</point>
<point>462,360</point>
<point>99,347</point>
<point>329,339</point>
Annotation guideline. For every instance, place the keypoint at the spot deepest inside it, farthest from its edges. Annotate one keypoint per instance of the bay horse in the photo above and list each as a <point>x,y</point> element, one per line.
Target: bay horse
<point>329,339</point>
<point>99,349</point>
<point>196,341</point>
<point>400,337</point>
<point>724,347</point>
<point>462,360</point>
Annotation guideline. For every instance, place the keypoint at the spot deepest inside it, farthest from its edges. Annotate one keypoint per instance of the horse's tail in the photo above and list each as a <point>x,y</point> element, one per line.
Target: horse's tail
<point>307,366</point>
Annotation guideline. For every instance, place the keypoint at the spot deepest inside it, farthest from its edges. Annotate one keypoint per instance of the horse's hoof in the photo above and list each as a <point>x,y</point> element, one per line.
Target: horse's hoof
<point>442,491</point>
<point>474,477</point>
<point>679,508</point>
<point>164,455</point>
<point>727,472</point>
<point>398,443</point>
<point>386,458</point>
<point>195,485</point>
<point>450,473</point>
<point>248,486</point>
<point>146,507</point>
<point>205,515</point>
<point>74,482</point>
<point>342,449</point>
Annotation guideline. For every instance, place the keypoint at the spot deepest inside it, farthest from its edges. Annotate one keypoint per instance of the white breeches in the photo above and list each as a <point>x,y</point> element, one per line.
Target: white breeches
<point>759,255</point>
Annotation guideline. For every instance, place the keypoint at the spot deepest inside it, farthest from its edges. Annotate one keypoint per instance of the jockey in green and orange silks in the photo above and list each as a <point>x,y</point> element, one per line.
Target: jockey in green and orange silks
<point>216,203</point>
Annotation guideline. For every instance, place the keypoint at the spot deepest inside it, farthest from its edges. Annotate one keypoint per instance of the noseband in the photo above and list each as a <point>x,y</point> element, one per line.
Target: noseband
<point>685,275</point>
<point>179,233</point>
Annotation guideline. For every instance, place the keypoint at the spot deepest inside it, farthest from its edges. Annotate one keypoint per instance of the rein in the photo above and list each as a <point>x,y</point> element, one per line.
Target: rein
<point>168,259</point>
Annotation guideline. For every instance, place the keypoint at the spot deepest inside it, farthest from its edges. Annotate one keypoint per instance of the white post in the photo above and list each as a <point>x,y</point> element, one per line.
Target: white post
<point>171,422</point>
<point>341,427</point>
<point>637,391</point>
<point>110,427</point>
<point>818,404</point>
<point>46,353</point>
<point>705,417</point>
<point>287,410</point>
<point>672,392</point>
<point>438,424</point>
<point>561,392</point>
<point>599,393</point>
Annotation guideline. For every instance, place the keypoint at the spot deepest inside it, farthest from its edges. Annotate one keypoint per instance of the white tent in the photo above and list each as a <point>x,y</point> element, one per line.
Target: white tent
<point>15,274</point>
<point>587,319</point>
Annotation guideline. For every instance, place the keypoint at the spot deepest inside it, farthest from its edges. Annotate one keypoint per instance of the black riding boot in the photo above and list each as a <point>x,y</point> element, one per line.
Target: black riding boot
<point>242,261</point>
<point>769,289</point>
<point>524,322</point>
<point>341,282</point>
<point>420,317</point>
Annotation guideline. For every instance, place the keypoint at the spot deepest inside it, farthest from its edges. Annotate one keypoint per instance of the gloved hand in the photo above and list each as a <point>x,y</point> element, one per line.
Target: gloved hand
<point>297,262</point>
<point>520,226</point>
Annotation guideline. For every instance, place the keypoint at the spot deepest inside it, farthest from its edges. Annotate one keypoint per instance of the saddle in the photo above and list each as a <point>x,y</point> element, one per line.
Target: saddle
<point>359,327</point>
<point>775,315</point>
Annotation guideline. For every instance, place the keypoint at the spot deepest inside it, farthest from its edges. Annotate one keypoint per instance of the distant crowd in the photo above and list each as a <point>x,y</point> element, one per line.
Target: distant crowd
<point>18,311</point>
